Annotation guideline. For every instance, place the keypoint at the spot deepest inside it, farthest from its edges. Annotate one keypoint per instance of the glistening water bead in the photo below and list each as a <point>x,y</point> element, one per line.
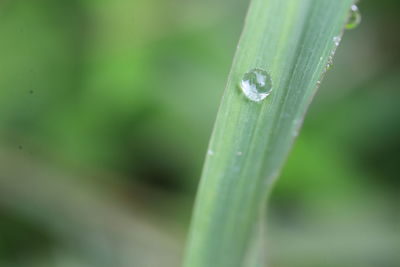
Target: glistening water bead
<point>354,18</point>
<point>256,84</point>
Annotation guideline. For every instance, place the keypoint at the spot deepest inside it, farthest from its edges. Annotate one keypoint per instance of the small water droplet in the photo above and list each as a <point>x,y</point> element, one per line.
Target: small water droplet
<point>337,40</point>
<point>210,152</point>
<point>256,84</point>
<point>354,18</point>
<point>31,91</point>
<point>239,153</point>
<point>330,62</point>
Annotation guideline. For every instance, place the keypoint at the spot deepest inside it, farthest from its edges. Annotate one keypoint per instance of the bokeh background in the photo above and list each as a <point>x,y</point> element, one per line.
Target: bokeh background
<point>106,108</point>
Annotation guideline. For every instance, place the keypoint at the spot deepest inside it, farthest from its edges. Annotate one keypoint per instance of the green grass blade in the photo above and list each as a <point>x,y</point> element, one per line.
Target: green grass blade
<point>293,41</point>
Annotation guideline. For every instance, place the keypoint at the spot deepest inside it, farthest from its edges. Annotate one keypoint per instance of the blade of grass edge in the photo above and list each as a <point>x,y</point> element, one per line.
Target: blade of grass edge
<point>293,41</point>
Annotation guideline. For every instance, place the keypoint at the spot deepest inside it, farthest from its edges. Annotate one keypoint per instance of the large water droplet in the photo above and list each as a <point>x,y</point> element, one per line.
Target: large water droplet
<point>256,84</point>
<point>354,18</point>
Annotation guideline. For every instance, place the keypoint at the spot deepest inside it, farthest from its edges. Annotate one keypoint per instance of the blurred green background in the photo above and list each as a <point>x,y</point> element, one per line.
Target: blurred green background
<point>106,108</point>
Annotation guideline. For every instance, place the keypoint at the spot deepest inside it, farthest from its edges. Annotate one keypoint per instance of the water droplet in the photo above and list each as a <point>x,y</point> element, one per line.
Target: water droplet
<point>210,152</point>
<point>354,18</point>
<point>337,40</point>
<point>256,84</point>
<point>239,153</point>
<point>330,62</point>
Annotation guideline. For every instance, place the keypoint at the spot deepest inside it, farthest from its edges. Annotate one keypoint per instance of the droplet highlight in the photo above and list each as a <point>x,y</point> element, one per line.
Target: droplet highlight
<point>256,84</point>
<point>354,18</point>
